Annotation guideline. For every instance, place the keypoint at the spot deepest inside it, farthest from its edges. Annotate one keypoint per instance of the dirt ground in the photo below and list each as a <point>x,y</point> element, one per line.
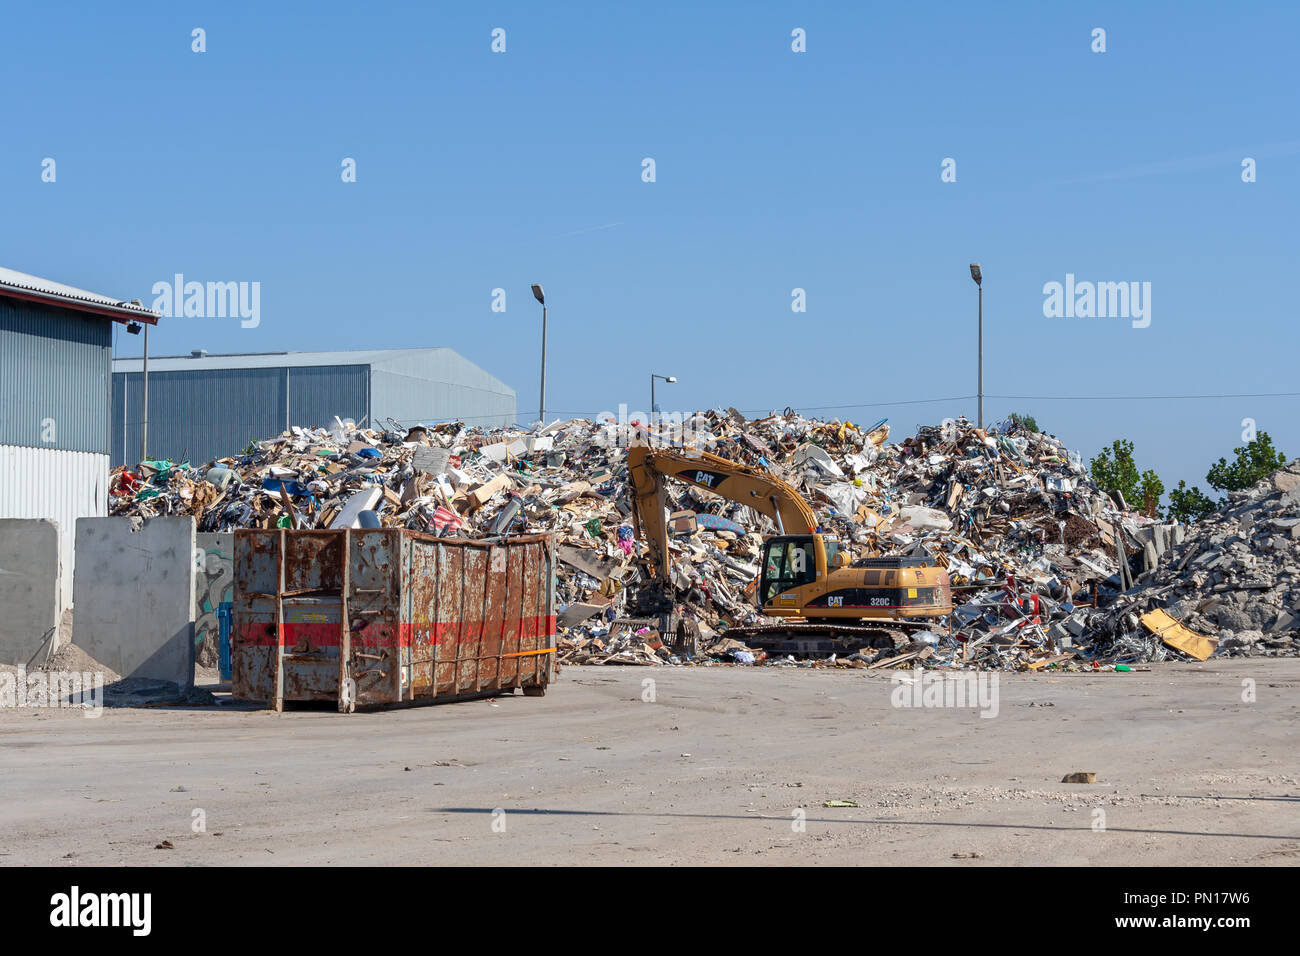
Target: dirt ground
<point>713,770</point>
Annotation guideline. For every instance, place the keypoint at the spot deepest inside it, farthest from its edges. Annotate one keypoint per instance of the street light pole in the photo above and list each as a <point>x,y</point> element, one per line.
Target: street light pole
<point>981,356</point>
<point>977,274</point>
<point>144,424</point>
<point>666,378</point>
<point>134,328</point>
<point>542,403</point>
<point>540,296</point>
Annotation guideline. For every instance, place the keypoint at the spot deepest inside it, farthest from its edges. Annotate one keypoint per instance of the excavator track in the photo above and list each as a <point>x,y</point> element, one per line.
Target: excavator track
<point>822,639</point>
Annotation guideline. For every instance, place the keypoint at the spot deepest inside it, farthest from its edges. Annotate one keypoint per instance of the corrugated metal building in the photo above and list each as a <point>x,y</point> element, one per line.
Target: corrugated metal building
<point>55,367</point>
<point>204,406</point>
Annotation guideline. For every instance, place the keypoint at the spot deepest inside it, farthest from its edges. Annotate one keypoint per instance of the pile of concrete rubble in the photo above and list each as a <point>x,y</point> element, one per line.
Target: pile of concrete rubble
<point>1236,575</point>
<point>1039,557</point>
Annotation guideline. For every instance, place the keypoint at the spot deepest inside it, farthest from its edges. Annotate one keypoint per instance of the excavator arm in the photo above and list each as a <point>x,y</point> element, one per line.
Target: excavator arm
<point>768,495</point>
<point>828,604</point>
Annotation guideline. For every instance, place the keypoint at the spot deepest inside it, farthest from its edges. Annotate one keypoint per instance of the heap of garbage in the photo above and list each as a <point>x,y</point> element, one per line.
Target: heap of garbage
<point>1040,558</point>
<point>1236,575</point>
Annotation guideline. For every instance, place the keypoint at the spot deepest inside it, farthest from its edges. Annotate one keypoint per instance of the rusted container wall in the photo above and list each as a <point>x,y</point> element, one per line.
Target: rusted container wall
<point>427,618</point>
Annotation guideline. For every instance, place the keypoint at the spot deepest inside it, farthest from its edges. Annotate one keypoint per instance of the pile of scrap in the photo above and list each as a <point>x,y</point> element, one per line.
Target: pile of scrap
<point>1048,570</point>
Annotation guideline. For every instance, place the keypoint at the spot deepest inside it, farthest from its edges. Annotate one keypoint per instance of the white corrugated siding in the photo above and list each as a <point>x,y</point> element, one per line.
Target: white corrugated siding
<point>60,485</point>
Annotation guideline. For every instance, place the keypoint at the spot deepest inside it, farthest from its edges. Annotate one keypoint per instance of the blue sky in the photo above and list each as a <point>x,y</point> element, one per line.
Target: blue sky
<point>775,170</point>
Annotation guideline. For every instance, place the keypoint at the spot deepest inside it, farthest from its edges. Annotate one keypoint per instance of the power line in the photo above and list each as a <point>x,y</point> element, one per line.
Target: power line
<point>824,408</point>
<point>1139,398</point>
<point>951,398</point>
<point>758,411</point>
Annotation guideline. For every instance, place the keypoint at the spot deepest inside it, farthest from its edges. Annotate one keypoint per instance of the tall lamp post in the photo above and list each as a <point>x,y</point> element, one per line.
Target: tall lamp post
<point>666,378</point>
<point>134,329</point>
<point>540,296</point>
<point>978,276</point>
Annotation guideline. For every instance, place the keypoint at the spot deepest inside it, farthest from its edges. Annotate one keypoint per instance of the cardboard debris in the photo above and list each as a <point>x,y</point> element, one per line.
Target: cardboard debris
<point>485,492</point>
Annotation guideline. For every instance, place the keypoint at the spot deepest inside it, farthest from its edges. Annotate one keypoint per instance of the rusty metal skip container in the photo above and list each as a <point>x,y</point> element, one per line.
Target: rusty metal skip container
<point>385,616</point>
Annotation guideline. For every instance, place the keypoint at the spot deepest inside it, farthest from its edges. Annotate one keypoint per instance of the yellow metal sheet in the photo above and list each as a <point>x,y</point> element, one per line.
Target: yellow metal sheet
<point>1159,623</point>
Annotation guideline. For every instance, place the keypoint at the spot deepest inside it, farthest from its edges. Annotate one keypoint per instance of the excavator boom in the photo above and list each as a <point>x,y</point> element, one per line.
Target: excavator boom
<point>765,493</point>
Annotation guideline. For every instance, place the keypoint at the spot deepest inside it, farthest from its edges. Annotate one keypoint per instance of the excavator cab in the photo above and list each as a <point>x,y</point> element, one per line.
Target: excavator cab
<point>790,562</point>
<point>814,576</point>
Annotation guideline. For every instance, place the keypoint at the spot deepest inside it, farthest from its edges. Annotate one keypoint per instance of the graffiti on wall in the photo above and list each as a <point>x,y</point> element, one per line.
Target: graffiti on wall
<point>214,582</point>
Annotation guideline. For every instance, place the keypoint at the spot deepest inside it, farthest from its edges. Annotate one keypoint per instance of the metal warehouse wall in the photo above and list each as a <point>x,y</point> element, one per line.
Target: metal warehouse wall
<point>212,413</point>
<point>54,365</point>
<point>318,393</point>
<point>436,384</point>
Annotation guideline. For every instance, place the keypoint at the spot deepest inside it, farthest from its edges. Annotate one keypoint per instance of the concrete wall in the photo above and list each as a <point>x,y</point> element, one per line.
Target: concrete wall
<point>55,484</point>
<point>29,586</point>
<point>214,582</point>
<point>134,594</point>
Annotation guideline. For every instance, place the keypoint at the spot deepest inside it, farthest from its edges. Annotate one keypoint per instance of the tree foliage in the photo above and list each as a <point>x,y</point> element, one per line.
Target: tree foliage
<point>1115,470</point>
<point>1190,505</point>
<point>1257,460</point>
<point>1023,421</point>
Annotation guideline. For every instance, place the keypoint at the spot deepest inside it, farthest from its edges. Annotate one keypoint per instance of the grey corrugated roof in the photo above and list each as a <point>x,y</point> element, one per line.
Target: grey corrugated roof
<point>181,363</point>
<point>433,363</point>
<point>21,285</point>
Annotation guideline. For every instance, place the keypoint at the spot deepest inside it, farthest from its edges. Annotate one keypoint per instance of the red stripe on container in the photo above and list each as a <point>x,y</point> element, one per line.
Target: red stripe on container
<point>326,634</point>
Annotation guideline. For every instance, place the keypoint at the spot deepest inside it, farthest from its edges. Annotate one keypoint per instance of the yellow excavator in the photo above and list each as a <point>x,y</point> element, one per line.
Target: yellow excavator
<point>829,601</point>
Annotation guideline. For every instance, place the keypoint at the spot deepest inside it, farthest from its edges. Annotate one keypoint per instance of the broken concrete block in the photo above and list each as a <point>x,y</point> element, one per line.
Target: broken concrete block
<point>1284,621</point>
<point>1286,481</point>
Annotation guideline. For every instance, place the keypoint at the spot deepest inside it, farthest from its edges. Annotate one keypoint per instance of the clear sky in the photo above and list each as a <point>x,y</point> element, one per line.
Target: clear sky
<point>774,170</point>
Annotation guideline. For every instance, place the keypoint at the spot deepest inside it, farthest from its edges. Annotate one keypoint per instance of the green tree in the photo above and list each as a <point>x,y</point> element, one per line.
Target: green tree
<point>1024,422</point>
<point>1150,488</point>
<point>1257,460</point>
<point>1190,505</point>
<point>1115,470</point>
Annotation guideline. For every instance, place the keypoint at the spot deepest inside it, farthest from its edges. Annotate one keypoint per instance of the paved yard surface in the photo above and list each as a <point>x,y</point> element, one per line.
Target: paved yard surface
<point>714,770</point>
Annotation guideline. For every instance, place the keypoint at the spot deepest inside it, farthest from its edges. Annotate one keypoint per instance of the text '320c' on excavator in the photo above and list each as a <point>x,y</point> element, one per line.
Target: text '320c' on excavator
<point>829,601</point>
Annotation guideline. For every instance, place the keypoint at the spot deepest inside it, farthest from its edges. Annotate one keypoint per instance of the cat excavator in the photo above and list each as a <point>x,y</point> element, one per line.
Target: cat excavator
<point>828,601</point>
